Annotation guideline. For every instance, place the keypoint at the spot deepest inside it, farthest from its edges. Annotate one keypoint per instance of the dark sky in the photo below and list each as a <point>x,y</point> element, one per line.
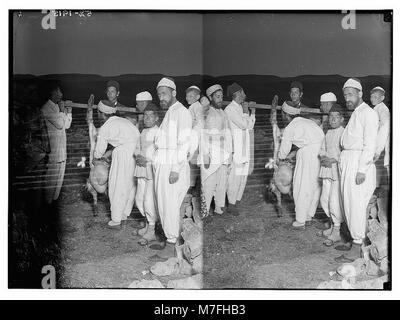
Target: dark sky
<point>215,44</point>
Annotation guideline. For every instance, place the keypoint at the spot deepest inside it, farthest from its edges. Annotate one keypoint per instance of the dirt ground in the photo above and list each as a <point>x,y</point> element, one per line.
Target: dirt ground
<point>253,250</point>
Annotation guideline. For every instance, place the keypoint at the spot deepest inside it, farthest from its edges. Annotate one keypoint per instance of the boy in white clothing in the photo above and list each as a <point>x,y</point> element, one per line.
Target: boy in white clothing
<point>331,196</point>
<point>145,199</point>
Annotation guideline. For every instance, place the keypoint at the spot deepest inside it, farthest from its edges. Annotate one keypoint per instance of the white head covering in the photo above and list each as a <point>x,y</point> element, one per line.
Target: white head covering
<point>193,88</point>
<point>352,83</point>
<point>144,96</point>
<point>106,109</point>
<point>290,110</point>
<point>328,97</point>
<point>213,89</point>
<point>165,82</point>
<point>378,88</point>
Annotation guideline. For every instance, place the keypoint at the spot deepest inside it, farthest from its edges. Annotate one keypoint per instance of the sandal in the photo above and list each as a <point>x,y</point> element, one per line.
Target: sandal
<point>343,247</point>
<point>329,242</point>
<point>143,242</point>
<point>320,234</point>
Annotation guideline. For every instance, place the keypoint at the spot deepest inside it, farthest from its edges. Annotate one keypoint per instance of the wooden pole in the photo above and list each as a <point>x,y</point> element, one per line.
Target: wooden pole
<point>85,106</point>
<point>225,103</point>
<point>268,107</point>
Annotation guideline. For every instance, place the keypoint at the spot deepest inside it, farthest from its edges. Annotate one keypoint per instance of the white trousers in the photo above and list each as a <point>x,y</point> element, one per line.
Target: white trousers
<point>355,197</point>
<point>145,199</point>
<point>237,179</point>
<point>121,186</point>
<point>170,196</point>
<point>306,184</point>
<point>331,200</point>
<point>54,180</point>
<point>215,186</point>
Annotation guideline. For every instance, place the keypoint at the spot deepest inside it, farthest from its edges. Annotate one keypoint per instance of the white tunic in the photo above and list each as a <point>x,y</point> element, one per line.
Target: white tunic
<point>123,135</point>
<point>146,148</point>
<point>359,145</point>
<point>172,144</point>
<point>308,137</point>
<point>331,149</point>
<point>383,139</point>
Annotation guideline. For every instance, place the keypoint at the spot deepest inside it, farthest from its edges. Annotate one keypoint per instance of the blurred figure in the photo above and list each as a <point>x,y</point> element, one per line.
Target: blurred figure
<point>383,139</point>
<point>58,119</point>
<point>241,121</point>
<point>215,151</point>
<point>197,113</point>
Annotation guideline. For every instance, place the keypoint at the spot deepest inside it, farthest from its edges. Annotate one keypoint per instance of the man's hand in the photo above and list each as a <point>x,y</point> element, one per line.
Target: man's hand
<point>274,102</point>
<point>206,160</point>
<point>61,105</point>
<point>252,107</point>
<point>376,157</point>
<point>360,178</point>
<point>173,177</point>
<point>140,160</point>
<point>91,101</point>
<point>245,107</point>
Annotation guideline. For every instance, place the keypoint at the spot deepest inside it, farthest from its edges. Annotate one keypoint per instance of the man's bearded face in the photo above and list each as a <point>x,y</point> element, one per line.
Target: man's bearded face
<point>165,96</point>
<point>352,98</point>
<point>217,98</point>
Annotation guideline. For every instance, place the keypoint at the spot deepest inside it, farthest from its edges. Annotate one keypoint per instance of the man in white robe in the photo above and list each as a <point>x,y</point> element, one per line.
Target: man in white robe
<point>215,151</point>
<point>170,164</point>
<point>241,121</point>
<point>308,137</point>
<point>123,136</point>
<point>383,139</point>
<point>356,167</point>
<point>57,119</point>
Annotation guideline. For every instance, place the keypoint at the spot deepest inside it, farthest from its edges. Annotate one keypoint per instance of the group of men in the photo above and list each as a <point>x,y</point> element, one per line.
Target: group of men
<point>335,165</point>
<point>155,168</point>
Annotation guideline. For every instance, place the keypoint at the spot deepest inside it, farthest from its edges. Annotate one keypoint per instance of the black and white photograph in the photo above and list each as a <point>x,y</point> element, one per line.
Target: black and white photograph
<point>200,149</point>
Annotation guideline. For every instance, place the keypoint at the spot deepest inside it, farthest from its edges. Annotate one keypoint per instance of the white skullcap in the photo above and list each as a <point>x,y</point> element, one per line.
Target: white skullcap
<point>165,82</point>
<point>193,88</point>
<point>213,89</point>
<point>327,97</point>
<point>352,83</point>
<point>144,96</point>
<point>378,88</point>
<point>290,110</point>
<point>103,107</point>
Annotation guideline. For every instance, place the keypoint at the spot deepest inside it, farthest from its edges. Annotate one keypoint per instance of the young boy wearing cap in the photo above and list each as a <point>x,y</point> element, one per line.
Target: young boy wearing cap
<point>329,173</point>
<point>327,101</point>
<point>145,199</point>
<point>143,99</point>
